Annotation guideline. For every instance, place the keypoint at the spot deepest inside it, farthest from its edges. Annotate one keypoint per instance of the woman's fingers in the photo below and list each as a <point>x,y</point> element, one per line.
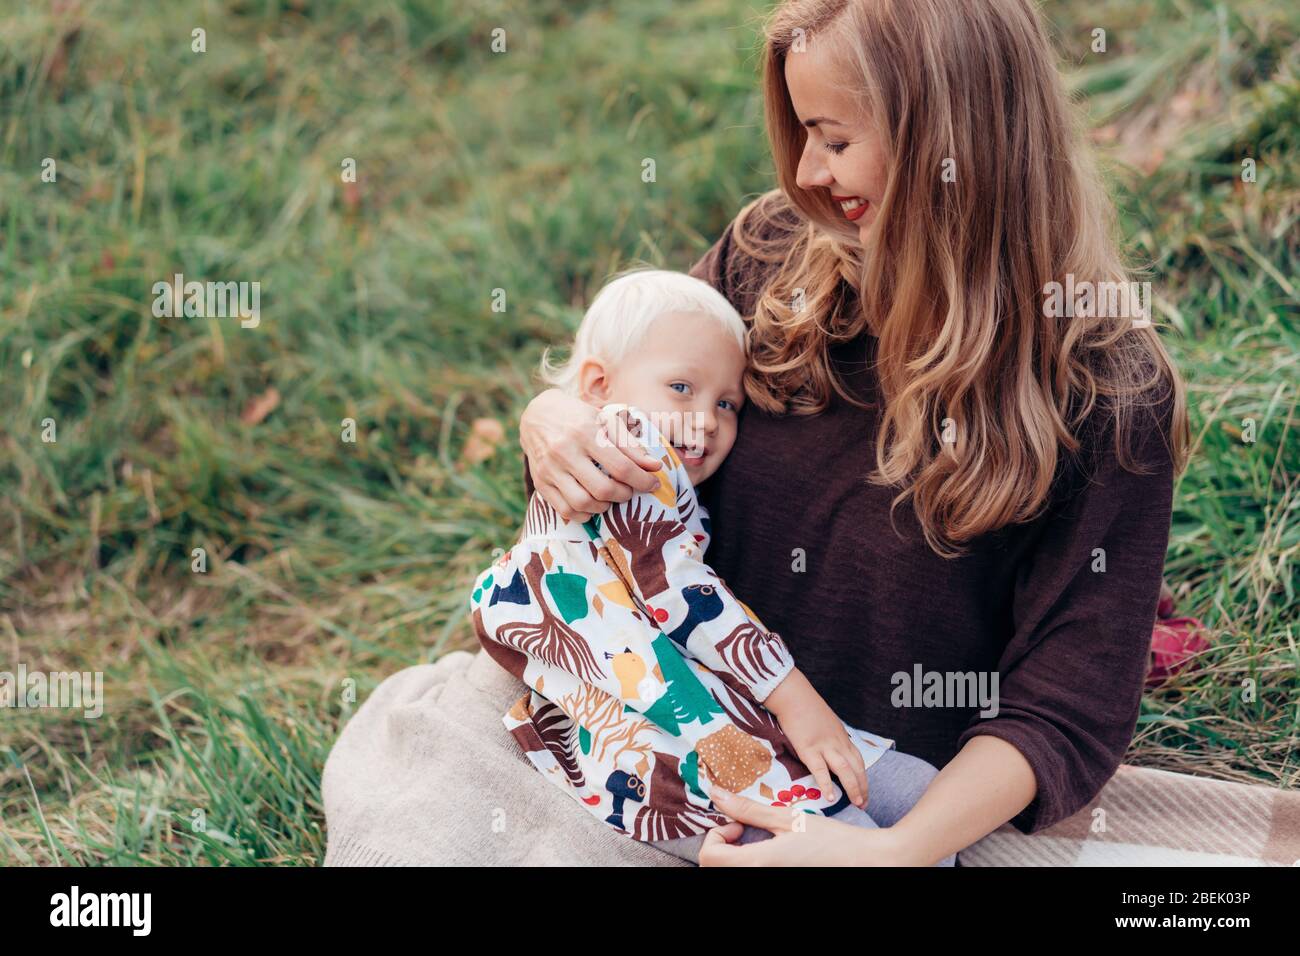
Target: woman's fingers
<point>564,439</point>
<point>575,487</point>
<point>720,848</point>
<point>568,498</point>
<point>605,486</point>
<point>625,458</point>
<point>727,833</point>
<point>625,473</point>
<point>744,810</point>
<point>599,489</point>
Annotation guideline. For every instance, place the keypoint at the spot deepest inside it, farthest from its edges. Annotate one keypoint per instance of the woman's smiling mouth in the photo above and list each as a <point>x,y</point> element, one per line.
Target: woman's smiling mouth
<point>854,207</point>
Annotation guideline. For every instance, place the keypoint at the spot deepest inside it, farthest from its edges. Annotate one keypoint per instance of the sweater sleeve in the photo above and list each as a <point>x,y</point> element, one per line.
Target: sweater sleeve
<point>1071,677</point>
<point>665,543</point>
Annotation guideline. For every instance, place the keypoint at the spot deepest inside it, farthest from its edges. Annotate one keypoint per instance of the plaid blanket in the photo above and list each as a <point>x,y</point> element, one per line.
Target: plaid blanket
<point>1148,817</point>
<point>391,794</point>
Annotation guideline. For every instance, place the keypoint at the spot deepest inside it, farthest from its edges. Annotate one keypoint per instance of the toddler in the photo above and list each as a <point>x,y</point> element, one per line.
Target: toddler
<point>648,677</point>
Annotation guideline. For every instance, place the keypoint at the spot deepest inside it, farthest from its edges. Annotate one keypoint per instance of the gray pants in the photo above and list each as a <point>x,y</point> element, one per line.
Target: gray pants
<point>895,783</point>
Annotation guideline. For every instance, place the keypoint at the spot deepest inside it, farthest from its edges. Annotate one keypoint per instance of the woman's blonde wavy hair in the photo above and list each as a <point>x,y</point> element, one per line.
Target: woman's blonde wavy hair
<point>953,278</point>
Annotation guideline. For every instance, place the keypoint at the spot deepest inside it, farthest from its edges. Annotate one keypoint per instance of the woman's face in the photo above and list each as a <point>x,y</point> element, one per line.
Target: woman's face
<point>843,153</point>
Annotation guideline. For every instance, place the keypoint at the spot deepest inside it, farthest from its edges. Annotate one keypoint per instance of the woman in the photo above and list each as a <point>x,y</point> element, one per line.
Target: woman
<point>941,484</point>
<point>939,478</point>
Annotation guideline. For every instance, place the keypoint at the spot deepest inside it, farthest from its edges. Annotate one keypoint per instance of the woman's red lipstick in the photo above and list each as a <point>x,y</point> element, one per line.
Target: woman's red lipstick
<point>852,214</point>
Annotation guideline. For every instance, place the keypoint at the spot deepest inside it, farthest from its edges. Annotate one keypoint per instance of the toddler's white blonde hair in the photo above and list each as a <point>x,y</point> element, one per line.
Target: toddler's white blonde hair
<point>623,311</point>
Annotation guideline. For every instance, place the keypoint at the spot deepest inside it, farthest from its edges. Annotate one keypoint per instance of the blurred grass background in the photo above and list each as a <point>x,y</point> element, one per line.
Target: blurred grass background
<point>333,564</point>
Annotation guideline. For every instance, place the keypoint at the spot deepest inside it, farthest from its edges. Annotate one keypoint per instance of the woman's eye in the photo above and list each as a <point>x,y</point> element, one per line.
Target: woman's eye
<point>837,147</point>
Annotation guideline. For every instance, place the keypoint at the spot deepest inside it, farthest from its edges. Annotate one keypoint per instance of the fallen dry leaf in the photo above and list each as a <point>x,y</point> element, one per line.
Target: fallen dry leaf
<point>260,406</point>
<point>485,434</point>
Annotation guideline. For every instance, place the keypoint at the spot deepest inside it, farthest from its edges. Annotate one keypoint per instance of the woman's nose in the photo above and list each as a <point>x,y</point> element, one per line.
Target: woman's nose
<point>812,169</point>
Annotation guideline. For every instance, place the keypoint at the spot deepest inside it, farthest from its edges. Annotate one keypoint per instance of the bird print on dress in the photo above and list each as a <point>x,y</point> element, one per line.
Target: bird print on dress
<point>515,593</point>
<point>703,603</point>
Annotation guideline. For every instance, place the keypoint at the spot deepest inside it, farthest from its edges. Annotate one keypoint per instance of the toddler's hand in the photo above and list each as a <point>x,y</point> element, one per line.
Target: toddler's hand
<point>818,736</point>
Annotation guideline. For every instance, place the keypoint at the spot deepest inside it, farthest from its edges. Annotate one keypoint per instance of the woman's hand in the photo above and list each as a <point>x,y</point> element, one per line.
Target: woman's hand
<point>818,736</point>
<point>799,839</point>
<point>561,435</point>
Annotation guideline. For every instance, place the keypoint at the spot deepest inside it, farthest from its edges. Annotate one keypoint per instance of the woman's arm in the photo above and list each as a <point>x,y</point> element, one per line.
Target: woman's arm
<point>560,435</point>
<point>1071,677</point>
<point>983,787</point>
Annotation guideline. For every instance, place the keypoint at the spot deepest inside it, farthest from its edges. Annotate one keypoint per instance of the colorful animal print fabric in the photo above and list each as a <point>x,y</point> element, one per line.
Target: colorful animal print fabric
<point>646,672</point>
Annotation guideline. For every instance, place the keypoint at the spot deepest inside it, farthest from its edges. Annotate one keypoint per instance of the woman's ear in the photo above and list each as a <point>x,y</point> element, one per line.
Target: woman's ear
<point>594,386</point>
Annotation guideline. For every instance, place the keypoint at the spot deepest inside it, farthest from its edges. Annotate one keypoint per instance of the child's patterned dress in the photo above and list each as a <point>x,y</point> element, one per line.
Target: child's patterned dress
<point>646,672</point>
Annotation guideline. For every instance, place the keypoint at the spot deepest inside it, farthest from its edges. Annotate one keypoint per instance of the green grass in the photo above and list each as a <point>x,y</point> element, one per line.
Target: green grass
<point>331,562</point>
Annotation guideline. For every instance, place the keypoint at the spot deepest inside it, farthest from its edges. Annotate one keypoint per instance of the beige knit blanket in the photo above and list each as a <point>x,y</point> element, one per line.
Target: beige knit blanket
<point>425,774</point>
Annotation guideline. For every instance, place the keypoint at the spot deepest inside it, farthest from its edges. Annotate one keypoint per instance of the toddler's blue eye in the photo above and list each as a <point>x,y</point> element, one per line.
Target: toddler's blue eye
<point>727,403</point>
<point>674,385</point>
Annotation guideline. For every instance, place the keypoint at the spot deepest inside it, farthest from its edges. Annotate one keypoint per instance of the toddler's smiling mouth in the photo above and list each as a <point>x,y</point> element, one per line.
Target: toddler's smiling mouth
<point>690,456</point>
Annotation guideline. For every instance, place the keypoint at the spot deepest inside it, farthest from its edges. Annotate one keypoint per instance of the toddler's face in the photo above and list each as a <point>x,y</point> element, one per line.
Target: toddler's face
<point>686,375</point>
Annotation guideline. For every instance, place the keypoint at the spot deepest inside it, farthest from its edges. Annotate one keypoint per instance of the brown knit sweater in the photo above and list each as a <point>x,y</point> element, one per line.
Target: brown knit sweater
<point>869,599</point>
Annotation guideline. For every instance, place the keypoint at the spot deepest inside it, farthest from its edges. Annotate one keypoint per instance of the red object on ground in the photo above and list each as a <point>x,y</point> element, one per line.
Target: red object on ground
<point>1174,642</point>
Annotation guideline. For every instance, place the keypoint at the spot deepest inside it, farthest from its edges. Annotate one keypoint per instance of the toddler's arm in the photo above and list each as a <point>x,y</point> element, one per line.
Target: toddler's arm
<point>689,602</point>
<point>818,736</point>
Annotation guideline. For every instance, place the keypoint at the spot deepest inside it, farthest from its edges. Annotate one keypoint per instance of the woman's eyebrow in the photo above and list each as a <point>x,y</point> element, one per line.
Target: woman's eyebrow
<point>813,121</point>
